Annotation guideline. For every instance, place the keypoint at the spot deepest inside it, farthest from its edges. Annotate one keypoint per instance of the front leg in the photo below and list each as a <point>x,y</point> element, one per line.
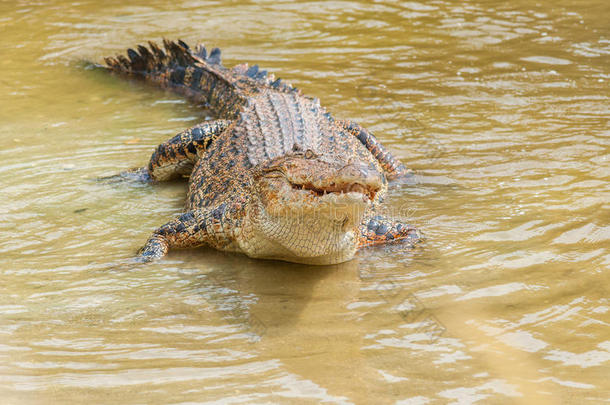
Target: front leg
<point>175,157</point>
<point>191,229</point>
<point>378,230</point>
<point>392,167</point>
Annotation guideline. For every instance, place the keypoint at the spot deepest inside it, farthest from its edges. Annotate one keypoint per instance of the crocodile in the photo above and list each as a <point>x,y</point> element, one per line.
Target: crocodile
<point>275,176</point>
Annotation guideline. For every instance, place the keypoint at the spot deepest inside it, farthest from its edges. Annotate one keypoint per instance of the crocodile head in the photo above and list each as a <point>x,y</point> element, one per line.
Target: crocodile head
<point>310,206</point>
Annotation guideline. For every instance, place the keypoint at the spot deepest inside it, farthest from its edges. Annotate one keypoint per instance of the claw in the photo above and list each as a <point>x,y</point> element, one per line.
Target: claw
<point>140,175</point>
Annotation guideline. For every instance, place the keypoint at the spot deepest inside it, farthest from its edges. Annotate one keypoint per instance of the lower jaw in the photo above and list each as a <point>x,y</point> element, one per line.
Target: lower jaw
<point>307,242</point>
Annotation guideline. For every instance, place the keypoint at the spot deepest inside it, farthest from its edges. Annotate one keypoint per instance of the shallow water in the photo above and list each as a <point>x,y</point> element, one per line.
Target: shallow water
<point>501,108</point>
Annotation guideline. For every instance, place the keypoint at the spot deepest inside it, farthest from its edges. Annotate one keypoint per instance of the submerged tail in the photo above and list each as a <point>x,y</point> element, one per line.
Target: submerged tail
<point>196,74</point>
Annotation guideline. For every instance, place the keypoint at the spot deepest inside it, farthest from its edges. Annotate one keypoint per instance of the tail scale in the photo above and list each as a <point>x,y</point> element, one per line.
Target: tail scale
<point>197,74</point>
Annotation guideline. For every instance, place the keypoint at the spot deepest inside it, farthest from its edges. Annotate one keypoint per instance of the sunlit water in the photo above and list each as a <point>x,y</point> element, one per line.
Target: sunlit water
<point>502,109</point>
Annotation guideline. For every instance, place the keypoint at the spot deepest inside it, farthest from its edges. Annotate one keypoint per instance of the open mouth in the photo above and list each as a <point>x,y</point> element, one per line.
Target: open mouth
<point>334,188</point>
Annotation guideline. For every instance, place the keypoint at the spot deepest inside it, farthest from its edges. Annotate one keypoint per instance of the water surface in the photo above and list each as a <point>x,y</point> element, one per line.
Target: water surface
<point>502,110</point>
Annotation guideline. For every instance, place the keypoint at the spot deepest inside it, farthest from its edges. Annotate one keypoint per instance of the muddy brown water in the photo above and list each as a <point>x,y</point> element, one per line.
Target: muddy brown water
<point>502,110</point>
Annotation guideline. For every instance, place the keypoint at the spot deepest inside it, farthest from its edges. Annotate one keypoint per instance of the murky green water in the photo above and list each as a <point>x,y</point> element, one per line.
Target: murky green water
<point>502,108</point>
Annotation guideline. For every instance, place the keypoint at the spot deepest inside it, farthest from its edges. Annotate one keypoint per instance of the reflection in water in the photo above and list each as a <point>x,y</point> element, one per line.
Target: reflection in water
<point>502,110</point>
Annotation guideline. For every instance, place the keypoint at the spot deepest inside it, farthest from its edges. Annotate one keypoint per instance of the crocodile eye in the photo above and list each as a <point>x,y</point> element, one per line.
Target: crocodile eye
<point>309,154</point>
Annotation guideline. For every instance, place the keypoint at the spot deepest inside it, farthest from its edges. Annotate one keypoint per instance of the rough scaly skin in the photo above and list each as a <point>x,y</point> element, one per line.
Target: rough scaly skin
<point>276,177</point>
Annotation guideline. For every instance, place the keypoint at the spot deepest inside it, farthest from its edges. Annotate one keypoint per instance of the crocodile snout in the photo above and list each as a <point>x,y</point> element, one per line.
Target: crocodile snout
<point>359,176</point>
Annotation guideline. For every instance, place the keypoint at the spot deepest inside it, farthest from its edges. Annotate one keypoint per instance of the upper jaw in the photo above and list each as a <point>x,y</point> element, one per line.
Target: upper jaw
<point>369,191</point>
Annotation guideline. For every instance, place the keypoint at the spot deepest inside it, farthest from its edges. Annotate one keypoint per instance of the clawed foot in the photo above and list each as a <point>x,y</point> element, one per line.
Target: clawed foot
<point>156,247</point>
<point>406,177</point>
<point>378,230</point>
<point>139,175</point>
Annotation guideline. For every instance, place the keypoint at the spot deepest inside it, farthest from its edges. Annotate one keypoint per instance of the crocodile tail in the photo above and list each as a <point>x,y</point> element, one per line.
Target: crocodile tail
<point>194,73</point>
